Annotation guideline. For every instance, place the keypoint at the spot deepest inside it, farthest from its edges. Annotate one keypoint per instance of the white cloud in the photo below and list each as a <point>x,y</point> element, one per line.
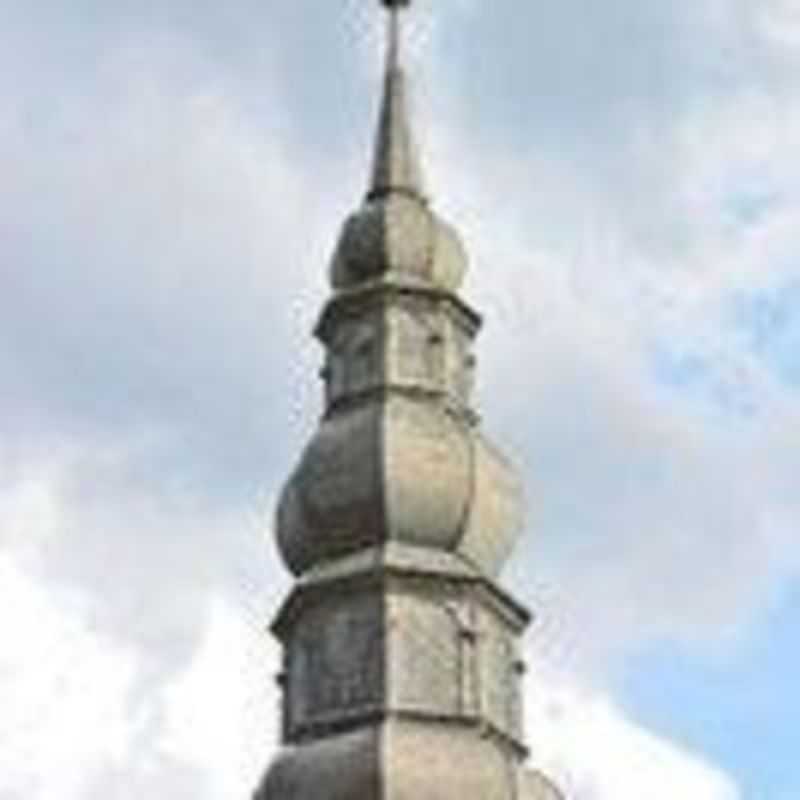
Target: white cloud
<point>221,713</point>
<point>594,751</point>
<point>780,21</point>
<point>108,588</point>
<point>63,691</point>
<point>29,512</point>
<point>153,222</point>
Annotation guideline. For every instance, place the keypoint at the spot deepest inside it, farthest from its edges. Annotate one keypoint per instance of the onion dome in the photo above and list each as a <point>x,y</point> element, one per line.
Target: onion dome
<point>402,472</point>
<point>395,235</point>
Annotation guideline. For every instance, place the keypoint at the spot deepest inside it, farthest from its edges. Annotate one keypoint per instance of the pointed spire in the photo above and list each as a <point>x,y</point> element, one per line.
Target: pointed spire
<point>396,165</point>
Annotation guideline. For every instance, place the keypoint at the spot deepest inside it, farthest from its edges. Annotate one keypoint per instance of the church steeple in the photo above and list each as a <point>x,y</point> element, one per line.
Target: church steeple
<point>401,674</point>
<point>396,163</point>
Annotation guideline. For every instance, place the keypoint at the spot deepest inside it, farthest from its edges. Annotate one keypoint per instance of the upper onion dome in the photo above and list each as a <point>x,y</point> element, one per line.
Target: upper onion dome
<point>397,236</point>
<point>395,233</point>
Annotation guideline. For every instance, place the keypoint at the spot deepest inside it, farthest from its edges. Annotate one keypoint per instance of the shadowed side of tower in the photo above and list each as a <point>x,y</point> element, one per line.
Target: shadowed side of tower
<point>401,671</point>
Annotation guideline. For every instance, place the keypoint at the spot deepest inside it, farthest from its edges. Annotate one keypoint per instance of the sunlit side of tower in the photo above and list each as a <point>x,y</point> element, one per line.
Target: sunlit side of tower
<point>401,675</point>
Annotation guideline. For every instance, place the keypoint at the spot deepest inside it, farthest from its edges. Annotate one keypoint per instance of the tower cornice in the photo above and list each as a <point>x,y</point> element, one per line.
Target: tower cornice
<point>350,301</point>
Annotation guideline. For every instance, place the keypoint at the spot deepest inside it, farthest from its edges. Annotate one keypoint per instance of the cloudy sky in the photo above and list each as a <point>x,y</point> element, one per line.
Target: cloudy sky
<point>174,175</point>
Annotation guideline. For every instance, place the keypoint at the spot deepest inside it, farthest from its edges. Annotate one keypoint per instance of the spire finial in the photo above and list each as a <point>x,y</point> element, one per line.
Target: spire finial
<point>395,166</point>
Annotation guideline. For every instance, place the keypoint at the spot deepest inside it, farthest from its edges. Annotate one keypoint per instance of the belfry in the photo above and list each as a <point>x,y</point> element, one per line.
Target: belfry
<point>401,672</point>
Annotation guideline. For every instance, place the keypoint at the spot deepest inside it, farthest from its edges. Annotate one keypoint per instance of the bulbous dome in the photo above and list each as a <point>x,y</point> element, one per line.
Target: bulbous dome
<point>395,233</point>
<point>403,471</point>
<point>398,236</point>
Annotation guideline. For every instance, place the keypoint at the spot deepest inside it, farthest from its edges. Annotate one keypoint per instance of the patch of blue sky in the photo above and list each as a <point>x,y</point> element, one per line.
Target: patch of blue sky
<point>768,322</point>
<point>702,383</point>
<point>739,708</point>
<point>682,370</point>
<point>751,200</point>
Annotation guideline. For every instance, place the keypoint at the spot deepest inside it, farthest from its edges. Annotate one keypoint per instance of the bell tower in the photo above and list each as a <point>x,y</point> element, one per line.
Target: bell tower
<point>401,673</point>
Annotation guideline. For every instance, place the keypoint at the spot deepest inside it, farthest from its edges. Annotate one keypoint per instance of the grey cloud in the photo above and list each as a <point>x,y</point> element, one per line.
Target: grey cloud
<point>150,239</point>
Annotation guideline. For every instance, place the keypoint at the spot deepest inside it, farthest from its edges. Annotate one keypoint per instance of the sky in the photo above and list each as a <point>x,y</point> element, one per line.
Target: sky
<point>175,175</point>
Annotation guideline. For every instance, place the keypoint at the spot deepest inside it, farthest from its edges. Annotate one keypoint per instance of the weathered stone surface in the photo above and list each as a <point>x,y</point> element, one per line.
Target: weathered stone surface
<point>496,510</point>
<point>401,677</point>
<point>398,337</point>
<point>333,504</point>
<point>340,767</point>
<point>390,636</point>
<point>334,665</point>
<point>398,236</point>
<point>403,759</point>
<point>399,469</point>
<point>443,762</point>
